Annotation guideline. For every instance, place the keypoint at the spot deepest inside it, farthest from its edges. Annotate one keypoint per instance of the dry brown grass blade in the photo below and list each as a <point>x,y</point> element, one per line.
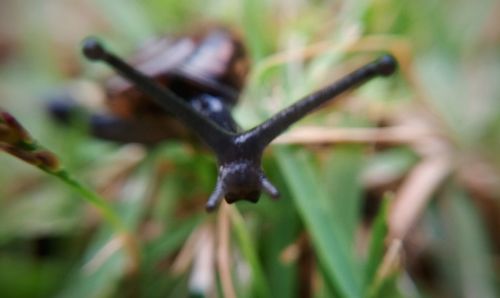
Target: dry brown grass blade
<point>123,240</point>
<point>353,43</point>
<point>307,52</point>
<point>186,254</point>
<point>391,260</point>
<point>133,249</point>
<point>416,191</point>
<point>202,276</point>
<point>223,252</point>
<point>103,254</point>
<point>325,135</point>
<point>117,167</point>
<point>198,251</point>
<point>291,253</point>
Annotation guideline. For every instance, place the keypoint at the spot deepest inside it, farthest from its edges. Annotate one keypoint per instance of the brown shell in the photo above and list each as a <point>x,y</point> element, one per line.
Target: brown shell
<point>212,61</point>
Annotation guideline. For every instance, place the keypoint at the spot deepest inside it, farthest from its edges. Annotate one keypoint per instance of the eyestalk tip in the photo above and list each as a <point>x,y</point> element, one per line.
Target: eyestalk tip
<point>215,197</point>
<point>93,49</point>
<point>387,65</point>
<point>210,206</point>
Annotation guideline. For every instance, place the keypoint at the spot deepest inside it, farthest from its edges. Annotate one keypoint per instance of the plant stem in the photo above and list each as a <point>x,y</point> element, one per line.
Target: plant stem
<point>128,240</point>
<point>93,198</point>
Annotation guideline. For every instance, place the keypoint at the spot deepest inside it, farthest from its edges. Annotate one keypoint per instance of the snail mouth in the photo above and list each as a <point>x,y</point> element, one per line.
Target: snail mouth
<point>252,196</point>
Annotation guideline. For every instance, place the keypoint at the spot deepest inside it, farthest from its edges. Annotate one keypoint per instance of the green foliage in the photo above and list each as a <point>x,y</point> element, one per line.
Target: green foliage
<point>328,235</point>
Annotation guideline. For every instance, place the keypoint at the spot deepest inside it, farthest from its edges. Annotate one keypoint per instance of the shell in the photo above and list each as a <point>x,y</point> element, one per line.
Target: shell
<point>213,62</point>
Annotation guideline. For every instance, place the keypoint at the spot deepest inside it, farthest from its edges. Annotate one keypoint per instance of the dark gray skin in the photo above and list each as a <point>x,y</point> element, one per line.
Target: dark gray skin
<point>239,154</point>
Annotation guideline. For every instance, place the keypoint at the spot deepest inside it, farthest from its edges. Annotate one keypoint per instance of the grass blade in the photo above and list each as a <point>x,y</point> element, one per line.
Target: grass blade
<point>248,250</point>
<point>330,246</point>
<point>376,249</point>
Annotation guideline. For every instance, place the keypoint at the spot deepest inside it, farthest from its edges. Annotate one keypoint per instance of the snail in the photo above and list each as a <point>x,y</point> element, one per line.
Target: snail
<point>197,81</point>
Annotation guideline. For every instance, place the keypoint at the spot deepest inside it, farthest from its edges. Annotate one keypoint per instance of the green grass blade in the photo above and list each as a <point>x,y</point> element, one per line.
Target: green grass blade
<point>92,198</point>
<point>329,245</point>
<point>376,249</point>
<point>343,188</point>
<point>249,252</point>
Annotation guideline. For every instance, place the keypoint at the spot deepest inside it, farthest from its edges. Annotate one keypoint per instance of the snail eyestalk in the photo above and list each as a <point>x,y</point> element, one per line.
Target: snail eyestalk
<point>211,133</point>
<point>93,49</point>
<point>216,196</point>
<point>264,133</point>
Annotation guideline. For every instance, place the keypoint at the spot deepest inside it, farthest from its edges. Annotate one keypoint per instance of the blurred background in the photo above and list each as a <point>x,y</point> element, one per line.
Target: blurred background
<point>394,191</point>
